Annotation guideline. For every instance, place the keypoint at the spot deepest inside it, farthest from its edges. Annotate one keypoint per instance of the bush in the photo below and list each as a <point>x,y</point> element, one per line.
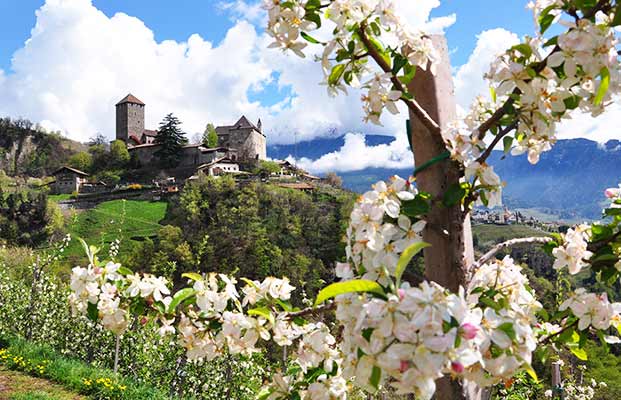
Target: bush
<point>144,355</point>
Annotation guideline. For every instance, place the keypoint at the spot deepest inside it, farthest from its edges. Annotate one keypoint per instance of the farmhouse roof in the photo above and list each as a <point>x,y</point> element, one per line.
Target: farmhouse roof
<point>130,98</point>
<point>75,171</point>
<point>221,160</point>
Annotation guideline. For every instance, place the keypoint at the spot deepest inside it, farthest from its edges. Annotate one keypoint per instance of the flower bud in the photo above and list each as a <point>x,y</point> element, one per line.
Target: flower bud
<point>469,331</point>
<point>457,367</point>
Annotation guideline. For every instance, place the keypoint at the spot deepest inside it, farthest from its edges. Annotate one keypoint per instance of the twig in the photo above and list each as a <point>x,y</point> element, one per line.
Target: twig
<point>496,140</point>
<point>509,243</point>
<point>546,339</point>
<point>312,310</point>
<point>416,108</point>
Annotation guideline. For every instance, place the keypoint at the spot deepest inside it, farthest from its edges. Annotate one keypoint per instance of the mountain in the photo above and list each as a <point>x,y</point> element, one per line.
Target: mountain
<point>566,184</point>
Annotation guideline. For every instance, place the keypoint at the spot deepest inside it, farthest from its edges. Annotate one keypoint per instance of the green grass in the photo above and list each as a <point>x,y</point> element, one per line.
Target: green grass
<point>59,197</point>
<point>42,362</point>
<point>488,234</point>
<point>128,220</point>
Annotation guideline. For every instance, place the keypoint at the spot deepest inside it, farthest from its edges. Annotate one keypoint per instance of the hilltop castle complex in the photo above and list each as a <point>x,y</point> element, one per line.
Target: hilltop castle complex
<point>242,142</point>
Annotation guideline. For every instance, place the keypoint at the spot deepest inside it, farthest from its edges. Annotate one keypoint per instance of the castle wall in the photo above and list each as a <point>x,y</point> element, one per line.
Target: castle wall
<point>248,142</point>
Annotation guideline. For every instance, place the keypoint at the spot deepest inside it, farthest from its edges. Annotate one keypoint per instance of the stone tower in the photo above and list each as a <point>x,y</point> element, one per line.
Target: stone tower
<point>129,118</point>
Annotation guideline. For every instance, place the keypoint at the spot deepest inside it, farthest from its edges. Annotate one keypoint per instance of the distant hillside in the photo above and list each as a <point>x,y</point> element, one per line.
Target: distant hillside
<point>27,149</point>
<point>563,184</point>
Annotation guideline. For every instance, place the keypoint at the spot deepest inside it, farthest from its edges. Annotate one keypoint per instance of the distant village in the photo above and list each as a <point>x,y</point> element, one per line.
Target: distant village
<point>240,150</point>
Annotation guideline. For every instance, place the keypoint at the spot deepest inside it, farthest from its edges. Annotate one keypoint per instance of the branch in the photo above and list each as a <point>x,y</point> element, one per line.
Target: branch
<point>416,109</point>
<point>500,135</point>
<point>509,243</point>
<point>312,310</point>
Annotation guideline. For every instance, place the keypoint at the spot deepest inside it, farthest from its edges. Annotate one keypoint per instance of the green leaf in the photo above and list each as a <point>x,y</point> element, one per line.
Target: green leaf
<point>92,312</point>
<point>336,73</point>
<point>531,372</point>
<point>546,19</point>
<point>309,38</point>
<point>406,257</point>
<point>179,297</point>
<point>524,49</point>
<point>492,92</point>
<point>415,207</point>
<point>507,328</point>
<point>507,142</point>
<point>398,62</point>
<point>193,276</point>
<point>262,312</point>
<point>353,286</point>
<point>616,21</point>
<point>376,375</point>
<point>603,86</point>
<point>125,271</point>
<point>313,17</point>
<point>578,352</point>
<point>454,194</point>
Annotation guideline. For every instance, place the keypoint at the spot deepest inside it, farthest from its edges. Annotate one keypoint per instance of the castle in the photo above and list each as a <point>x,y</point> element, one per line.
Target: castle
<point>242,142</point>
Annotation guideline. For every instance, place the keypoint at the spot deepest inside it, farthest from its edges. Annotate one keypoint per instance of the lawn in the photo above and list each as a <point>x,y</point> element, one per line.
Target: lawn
<point>59,197</point>
<point>127,220</point>
<point>488,234</point>
<point>18,386</point>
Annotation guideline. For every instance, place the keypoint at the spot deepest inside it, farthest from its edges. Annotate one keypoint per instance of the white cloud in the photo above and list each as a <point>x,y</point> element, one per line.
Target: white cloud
<point>469,83</point>
<point>468,79</point>
<point>78,63</point>
<point>355,155</point>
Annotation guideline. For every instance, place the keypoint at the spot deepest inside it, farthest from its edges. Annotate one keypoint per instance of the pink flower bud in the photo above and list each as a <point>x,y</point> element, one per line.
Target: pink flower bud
<point>610,193</point>
<point>469,331</point>
<point>401,294</point>
<point>457,367</point>
<point>405,364</point>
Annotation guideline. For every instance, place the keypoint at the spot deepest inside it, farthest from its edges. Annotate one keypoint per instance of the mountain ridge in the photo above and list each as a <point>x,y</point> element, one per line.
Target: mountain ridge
<point>567,182</point>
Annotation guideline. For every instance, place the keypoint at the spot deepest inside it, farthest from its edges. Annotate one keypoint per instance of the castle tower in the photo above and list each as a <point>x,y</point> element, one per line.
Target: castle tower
<point>129,118</point>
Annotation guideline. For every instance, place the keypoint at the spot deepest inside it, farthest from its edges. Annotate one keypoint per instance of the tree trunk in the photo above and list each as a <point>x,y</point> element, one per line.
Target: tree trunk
<point>448,229</point>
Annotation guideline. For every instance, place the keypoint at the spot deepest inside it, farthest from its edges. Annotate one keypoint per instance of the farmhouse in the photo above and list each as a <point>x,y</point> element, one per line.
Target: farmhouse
<point>69,180</point>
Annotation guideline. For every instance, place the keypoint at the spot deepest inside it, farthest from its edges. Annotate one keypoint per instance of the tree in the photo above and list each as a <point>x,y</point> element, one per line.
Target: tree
<point>82,161</point>
<point>119,156</point>
<point>267,168</point>
<point>171,139</point>
<point>210,136</point>
<point>333,179</point>
<point>98,139</point>
<point>470,321</point>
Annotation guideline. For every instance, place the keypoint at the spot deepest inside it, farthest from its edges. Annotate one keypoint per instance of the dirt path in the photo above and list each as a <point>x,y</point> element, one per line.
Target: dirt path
<point>15,383</point>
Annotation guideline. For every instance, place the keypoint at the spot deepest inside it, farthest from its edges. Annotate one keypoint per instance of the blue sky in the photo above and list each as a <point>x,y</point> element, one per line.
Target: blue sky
<point>177,20</point>
<point>208,61</point>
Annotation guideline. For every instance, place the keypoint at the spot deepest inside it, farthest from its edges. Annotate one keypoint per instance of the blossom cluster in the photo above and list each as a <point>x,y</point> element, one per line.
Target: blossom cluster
<point>573,253</point>
<point>289,24</point>
<point>412,336</point>
<point>378,231</point>
<point>105,292</point>
<point>594,310</point>
<point>614,194</point>
<point>581,73</point>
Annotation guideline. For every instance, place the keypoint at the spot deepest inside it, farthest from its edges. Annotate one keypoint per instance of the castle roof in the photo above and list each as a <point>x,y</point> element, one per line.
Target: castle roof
<point>149,132</point>
<point>130,98</point>
<point>242,123</point>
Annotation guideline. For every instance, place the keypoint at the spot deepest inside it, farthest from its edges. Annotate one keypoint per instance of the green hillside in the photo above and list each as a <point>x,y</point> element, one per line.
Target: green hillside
<point>487,235</point>
<point>128,220</point>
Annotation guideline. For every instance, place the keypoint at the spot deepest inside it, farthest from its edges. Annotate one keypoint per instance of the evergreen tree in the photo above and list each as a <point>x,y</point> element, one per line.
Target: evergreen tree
<point>210,137</point>
<point>172,140</point>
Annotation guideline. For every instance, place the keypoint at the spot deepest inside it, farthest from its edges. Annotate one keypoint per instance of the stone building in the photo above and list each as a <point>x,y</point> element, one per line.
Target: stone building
<point>192,155</point>
<point>243,141</point>
<point>219,166</point>
<point>246,137</point>
<point>69,180</point>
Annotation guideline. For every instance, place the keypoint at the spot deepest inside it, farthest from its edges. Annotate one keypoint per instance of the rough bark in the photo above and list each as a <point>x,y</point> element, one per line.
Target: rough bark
<point>448,229</point>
